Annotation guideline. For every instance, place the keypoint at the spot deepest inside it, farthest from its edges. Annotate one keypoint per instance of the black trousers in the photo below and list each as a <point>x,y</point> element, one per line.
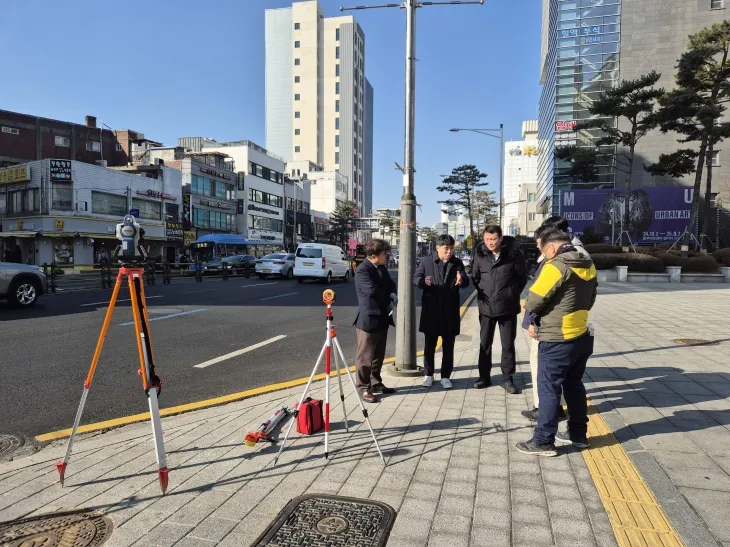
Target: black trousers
<point>447,357</point>
<point>507,335</point>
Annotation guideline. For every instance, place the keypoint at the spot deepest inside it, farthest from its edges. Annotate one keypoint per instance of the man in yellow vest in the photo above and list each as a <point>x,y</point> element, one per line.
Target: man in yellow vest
<point>559,300</point>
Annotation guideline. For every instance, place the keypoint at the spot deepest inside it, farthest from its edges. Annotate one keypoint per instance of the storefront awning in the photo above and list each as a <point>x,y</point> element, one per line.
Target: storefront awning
<point>17,234</point>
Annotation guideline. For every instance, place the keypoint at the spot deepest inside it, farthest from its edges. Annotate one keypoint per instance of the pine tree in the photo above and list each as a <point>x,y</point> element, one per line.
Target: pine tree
<point>631,101</point>
<point>693,110</point>
<point>462,183</point>
<point>341,221</point>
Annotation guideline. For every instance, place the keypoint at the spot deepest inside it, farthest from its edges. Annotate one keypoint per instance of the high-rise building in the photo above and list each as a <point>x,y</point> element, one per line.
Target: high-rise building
<point>588,46</point>
<point>520,168</point>
<point>318,102</point>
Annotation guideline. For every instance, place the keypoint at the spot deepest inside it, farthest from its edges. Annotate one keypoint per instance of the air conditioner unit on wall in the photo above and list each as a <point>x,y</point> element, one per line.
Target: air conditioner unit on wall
<point>101,163</point>
<point>82,206</point>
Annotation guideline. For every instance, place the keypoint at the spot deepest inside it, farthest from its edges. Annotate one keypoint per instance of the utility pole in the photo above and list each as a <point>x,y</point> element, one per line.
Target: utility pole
<point>405,337</point>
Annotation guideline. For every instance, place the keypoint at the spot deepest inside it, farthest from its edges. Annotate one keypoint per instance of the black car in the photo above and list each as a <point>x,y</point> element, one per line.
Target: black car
<point>236,265</point>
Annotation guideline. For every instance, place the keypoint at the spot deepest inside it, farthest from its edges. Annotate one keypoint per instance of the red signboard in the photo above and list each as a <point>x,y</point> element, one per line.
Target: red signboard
<point>565,126</point>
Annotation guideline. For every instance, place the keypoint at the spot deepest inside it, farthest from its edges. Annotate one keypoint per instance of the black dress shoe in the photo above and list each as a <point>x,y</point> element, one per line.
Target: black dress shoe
<point>481,384</point>
<point>380,388</point>
<point>510,388</point>
<point>534,414</point>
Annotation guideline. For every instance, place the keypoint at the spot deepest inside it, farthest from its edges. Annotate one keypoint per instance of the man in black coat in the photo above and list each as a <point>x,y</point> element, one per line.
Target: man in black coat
<point>375,293</point>
<point>440,276</point>
<point>500,274</point>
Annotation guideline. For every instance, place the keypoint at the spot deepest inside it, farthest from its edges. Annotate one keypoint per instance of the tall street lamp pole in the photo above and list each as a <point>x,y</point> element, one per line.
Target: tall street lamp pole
<point>500,136</point>
<point>405,338</point>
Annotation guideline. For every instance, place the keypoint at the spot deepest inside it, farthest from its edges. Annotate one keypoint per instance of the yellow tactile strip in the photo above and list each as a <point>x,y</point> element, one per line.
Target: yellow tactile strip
<point>636,517</point>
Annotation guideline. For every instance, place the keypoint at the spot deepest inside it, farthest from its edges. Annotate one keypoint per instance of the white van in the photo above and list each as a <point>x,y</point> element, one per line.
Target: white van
<point>320,261</point>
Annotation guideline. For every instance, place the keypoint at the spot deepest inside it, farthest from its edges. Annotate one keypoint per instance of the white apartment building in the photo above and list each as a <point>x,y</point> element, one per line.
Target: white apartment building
<point>520,168</point>
<point>529,218</point>
<point>318,102</point>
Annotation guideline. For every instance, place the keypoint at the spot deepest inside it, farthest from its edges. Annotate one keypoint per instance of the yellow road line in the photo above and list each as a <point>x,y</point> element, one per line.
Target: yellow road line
<point>636,517</point>
<point>117,422</point>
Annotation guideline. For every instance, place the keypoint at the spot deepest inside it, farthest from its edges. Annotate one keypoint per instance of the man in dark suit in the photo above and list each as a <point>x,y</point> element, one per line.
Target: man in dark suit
<point>375,293</point>
<point>440,276</point>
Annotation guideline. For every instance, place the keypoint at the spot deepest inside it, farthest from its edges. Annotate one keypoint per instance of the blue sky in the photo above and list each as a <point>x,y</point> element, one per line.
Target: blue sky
<point>173,68</point>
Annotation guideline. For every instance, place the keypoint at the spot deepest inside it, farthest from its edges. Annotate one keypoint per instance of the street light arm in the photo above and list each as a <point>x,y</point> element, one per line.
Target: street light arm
<point>480,131</point>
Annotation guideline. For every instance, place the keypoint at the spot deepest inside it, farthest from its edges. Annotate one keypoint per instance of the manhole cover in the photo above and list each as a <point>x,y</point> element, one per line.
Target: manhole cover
<point>8,443</point>
<point>695,342</point>
<point>162,311</point>
<point>78,529</point>
<point>319,520</point>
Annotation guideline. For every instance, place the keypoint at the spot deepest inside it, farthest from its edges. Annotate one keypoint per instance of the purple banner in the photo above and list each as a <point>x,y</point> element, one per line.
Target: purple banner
<point>657,215</point>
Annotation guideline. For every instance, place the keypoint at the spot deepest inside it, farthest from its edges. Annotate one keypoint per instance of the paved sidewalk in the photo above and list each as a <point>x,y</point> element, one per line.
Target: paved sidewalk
<point>453,474</point>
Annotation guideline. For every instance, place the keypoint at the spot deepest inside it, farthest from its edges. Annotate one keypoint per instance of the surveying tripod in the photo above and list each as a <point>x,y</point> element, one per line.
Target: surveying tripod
<point>150,381</point>
<point>330,351</point>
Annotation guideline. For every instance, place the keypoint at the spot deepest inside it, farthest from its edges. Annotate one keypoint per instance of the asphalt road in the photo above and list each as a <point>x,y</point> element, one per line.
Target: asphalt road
<point>46,351</point>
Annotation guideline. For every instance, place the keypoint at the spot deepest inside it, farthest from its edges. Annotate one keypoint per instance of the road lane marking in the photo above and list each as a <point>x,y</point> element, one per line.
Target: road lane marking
<point>257,285</point>
<point>280,296</point>
<point>240,352</point>
<point>205,403</point>
<point>179,314</point>
<point>196,292</point>
<point>106,302</point>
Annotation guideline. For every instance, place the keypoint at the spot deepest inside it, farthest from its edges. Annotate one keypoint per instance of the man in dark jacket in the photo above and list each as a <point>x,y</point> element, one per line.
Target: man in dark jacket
<point>499,273</point>
<point>440,276</point>
<point>375,293</point>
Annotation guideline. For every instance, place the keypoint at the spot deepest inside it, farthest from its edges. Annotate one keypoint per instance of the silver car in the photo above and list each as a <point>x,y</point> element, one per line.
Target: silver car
<point>21,284</point>
<point>276,264</point>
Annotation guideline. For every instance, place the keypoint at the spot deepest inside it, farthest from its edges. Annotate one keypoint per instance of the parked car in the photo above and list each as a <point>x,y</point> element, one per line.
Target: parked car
<point>234,264</point>
<point>21,284</point>
<point>320,261</point>
<point>276,264</point>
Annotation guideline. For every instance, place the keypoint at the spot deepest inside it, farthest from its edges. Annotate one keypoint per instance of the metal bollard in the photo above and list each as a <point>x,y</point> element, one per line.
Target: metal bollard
<point>247,270</point>
<point>225,270</point>
<point>166,274</point>
<point>199,272</point>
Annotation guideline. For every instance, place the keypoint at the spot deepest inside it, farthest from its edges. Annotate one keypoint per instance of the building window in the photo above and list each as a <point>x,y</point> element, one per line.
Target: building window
<point>715,158</point>
<point>297,131</point>
<point>296,96</point>
<point>337,70</point>
<point>337,88</point>
<point>93,146</point>
<point>63,141</point>
<point>148,209</point>
<point>337,52</point>
<point>717,4</point>
<point>11,130</point>
<point>108,204</point>
<point>296,114</point>
<point>337,141</point>
<point>296,62</point>
<point>337,123</point>
<point>62,196</point>
<point>337,34</point>
<point>337,105</point>
<point>531,198</point>
<point>531,217</point>
<point>296,26</point>
<point>296,79</point>
<point>296,44</point>
<point>119,148</point>
<point>263,223</point>
<point>297,149</point>
<point>337,158</point>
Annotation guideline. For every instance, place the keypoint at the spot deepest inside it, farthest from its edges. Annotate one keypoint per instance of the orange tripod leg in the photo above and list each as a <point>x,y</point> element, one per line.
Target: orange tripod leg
<point>150,380</point>
<point>61,466</point>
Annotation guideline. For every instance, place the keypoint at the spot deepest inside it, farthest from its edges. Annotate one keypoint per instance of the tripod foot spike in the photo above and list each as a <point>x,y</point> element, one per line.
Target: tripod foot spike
<point>326,455</point>
<point>61,466</point>
<point>163,473</point>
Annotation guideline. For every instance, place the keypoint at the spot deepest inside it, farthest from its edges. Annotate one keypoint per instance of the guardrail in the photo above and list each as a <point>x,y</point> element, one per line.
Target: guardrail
<point>168,271</point>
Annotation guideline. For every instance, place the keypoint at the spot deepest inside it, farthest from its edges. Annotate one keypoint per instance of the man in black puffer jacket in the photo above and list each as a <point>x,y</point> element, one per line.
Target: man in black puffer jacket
<point>500,274</point>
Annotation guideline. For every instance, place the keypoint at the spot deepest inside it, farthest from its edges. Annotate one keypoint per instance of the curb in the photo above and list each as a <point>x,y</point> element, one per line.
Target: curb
<point>207,403</point>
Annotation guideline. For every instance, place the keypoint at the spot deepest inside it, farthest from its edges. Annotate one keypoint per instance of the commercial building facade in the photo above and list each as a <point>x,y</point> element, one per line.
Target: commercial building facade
<point>67,211</point>
<point>318,101</point>
<point>520,169</point>
<point>529,217</point>
<point>588,46</point>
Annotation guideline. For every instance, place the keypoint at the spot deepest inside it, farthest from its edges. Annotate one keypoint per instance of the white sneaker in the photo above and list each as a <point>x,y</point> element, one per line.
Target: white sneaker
<point>428,382</point>
<point>446,383</point>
